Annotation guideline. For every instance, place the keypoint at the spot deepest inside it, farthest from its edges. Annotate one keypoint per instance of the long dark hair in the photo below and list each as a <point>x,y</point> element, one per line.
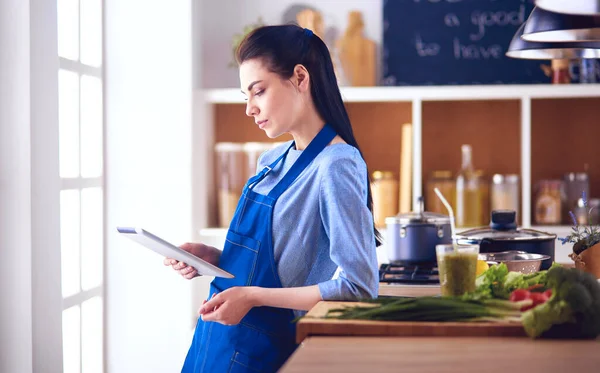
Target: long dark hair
<point>281,48</point>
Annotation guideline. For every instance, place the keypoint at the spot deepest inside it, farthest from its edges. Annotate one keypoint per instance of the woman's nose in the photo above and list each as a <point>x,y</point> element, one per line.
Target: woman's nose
<point>251,110</point>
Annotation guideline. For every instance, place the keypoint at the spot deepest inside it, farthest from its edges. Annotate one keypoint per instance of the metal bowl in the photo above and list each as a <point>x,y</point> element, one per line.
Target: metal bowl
<point>516,261</point>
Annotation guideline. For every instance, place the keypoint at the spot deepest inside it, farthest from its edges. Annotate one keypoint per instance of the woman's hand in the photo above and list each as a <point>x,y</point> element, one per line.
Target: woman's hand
<point>205,252</point>
<point>230,306</point>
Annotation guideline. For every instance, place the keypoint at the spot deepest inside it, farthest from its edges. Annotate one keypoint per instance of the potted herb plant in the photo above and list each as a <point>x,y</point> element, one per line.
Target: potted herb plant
<point>586,242</point>
<point>239,37</point>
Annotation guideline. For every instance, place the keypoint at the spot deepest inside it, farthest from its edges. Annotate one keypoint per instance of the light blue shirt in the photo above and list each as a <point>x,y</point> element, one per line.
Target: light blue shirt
<point>321,222</point>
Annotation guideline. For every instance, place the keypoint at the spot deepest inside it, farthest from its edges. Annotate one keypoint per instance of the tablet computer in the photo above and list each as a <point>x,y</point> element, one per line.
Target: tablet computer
<point>169,250</point>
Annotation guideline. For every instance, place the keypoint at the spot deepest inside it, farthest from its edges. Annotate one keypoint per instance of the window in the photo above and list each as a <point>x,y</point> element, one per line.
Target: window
<point>81,133</point>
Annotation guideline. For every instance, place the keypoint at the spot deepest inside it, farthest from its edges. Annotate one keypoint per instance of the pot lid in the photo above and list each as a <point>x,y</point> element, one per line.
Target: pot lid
<point>519,234</point>
<point>504,228</point>
<point>418,217</point>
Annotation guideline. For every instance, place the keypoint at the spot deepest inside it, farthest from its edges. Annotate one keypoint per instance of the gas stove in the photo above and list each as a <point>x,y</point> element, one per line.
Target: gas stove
<point>408,274</point>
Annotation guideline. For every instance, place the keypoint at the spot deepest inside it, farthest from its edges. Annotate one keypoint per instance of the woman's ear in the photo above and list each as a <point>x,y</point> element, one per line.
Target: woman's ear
<point>301,78</point>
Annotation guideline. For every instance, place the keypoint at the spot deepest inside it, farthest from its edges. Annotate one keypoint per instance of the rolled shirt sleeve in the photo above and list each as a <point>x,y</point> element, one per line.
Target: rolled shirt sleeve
<point>349,227</point>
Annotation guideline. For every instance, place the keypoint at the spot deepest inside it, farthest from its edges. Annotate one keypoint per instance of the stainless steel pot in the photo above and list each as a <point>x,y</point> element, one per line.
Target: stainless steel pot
<point>503,235</point>
<point>411,237</point>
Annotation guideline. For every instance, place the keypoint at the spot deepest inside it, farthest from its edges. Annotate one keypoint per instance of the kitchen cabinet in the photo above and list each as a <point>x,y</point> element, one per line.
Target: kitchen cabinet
<point>536,131</point>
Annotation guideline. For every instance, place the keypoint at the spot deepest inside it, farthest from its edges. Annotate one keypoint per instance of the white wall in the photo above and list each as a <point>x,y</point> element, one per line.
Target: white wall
<point>45,189</point>
<point>15,181</point>
<point>30,315</point>
<point>222,19</point>
<point>148,74</point>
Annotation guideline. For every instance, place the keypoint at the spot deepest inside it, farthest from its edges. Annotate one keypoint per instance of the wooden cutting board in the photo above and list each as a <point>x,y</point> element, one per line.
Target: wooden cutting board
<point>314,323</point>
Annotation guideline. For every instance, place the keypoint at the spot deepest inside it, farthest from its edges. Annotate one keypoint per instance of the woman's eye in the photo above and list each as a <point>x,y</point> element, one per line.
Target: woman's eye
<point>258,93</point>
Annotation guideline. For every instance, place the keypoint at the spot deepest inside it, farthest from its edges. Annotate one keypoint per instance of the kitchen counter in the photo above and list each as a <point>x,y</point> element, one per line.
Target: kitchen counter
<point>374,348</point>
<point>439,355</point>
<point>408,290</point>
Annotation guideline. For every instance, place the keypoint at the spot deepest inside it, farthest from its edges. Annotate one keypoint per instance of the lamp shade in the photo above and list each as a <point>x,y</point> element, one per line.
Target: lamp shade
<point>524,49</point>
<point>545,26</point>
<point>586,7</point>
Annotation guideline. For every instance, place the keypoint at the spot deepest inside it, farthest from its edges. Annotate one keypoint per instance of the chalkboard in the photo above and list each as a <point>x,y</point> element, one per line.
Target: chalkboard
<point>455,42</point>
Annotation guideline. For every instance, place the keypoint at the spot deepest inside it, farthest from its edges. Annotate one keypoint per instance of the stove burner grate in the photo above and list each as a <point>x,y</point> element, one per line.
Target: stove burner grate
<point>405,273</point>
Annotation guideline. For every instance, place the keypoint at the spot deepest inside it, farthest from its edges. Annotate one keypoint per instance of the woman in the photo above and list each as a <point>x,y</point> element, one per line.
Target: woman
<point>306,212</point>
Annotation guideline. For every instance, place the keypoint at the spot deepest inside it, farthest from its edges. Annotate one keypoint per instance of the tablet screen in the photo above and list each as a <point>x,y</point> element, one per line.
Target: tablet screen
<point>169,250</point>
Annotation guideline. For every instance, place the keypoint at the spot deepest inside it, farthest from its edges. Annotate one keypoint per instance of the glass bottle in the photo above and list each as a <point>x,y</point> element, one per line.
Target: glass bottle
<point>468,193</point>
<point>548,203</point>
<point>484,188</point>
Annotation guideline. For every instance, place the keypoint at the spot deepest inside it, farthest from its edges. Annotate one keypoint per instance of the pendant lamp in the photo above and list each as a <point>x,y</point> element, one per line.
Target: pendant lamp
<point>520,48</point>
<point>546,26</point>
<point>584,7</point>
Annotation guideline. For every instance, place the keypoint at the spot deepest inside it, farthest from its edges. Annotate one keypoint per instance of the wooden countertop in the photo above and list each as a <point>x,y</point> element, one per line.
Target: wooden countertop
<point>439,355</point>
<point>315,324</point>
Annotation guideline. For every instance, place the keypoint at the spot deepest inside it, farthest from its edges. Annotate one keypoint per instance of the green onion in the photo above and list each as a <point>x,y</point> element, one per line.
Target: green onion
<point>431,309</point>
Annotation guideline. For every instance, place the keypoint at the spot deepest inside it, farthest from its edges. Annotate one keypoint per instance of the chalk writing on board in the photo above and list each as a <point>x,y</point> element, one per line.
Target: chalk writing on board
<point>426,49</point>
<point>483,19</point>
<point>429,42</point>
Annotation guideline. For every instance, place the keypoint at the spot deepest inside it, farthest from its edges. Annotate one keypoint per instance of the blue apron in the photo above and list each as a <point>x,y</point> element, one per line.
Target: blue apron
<point>265,337</point>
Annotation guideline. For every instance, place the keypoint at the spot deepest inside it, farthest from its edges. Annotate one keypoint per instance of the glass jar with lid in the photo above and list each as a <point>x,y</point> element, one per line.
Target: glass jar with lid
<point>231,178</point>
<point>444,181</point>
<point>253,150</point>
<point>575,183</point>
<point>505,193</point>
<point>384,189</point>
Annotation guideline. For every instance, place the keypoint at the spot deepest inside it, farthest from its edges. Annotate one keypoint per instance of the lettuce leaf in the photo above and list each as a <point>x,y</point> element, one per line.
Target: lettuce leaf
<point>497,282</point>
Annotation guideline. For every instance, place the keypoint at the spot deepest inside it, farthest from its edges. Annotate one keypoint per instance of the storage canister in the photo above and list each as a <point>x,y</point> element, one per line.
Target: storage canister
<point>575,184</point>
<point>505,193</point>
<point>231,176</point>
<point>444,181</point>
<point>384,189</point>
<point>253,150</point>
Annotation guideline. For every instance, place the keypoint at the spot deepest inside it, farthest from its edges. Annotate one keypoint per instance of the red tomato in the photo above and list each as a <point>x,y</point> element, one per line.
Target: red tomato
<point>548,293</point>
<point>519,295</point>
<point>538,298</point>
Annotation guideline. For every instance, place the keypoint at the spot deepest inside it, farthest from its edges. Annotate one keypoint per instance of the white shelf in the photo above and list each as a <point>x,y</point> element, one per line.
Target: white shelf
<point>558,230</point>
<point>415,96</point>
<point>437,93</point>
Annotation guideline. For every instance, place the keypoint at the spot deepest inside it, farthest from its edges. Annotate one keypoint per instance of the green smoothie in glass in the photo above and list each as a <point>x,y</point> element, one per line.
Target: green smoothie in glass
<point>457,268</point>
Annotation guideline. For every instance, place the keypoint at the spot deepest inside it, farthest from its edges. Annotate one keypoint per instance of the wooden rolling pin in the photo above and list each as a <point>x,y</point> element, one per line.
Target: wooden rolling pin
<point>405,169</point>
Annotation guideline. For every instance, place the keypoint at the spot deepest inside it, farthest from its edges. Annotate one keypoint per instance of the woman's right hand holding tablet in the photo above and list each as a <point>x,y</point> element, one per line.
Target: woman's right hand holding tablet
<point>205,252</point>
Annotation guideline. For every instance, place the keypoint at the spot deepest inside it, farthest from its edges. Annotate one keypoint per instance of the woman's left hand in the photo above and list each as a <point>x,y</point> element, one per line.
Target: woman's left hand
<point>229,306</point>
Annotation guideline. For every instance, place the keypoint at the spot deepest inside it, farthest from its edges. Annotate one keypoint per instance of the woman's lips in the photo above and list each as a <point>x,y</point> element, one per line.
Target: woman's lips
<point>262,123</point>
